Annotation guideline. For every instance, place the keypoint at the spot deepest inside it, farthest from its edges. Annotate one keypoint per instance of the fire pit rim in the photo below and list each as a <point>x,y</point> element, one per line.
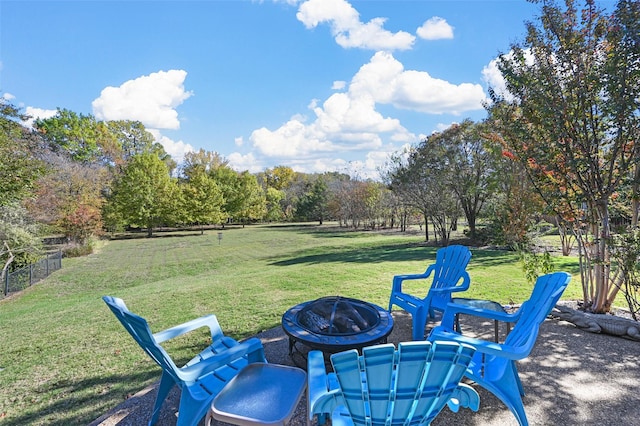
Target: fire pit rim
<point>366,306</point>
<point>336,342</point>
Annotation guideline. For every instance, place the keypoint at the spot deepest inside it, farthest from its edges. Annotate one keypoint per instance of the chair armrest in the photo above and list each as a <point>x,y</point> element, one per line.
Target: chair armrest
<point>251,348</point>
<point>398,279</point>
<point>173,332</point>
<point>453,309</point>
<point>463,286</point>
<point>482,346</point>
<point>322,400</point>
<point>464,396</point>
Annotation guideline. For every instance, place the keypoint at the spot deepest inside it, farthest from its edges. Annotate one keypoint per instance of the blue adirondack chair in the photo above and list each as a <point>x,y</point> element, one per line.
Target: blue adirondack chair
<point>386,387</point>
<point>494,364</point>
<point>449,276</point>
<point>202,378</point>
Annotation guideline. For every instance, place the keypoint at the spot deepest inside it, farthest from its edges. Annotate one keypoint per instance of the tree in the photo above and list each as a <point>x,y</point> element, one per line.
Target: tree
<point>206,161</point>
<point>313,204</point>
<point>244,199</point>
<point>20,166</point>
<point>81,136</point>
<point>274,209</point>
<point>572,118</point>
<point>145,195</point>
<point>423,179</point>
<point>472,166</point>
<point>132,139</point>
<point>70,196</point>
<point>19,240</point>
<point>280,177</point>
<point>80,221</point>
<point>252,204</point>
<point>202,200</point>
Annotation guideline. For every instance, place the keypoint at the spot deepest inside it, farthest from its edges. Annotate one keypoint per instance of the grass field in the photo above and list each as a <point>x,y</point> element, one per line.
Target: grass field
<point>65,360</point>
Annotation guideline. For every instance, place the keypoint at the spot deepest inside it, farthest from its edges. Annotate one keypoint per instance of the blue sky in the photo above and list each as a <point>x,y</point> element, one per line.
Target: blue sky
<point>317,85</point>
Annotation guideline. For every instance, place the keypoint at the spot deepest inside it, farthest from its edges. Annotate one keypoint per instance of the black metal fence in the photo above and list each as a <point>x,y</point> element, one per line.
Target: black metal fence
<point>29,275</point>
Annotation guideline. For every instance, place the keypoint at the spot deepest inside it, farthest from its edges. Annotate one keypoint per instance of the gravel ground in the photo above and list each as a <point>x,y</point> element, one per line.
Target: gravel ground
<point>572,377</point>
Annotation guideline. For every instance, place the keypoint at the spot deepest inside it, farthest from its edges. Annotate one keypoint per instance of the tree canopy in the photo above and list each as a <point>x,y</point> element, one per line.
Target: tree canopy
<point>572,118</point>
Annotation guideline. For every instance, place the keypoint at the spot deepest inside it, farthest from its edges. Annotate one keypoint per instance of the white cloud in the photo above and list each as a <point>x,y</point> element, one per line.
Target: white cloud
<point>150,99</point>
<point>338,85</point>
<point>292,139</point>
<point>385,79</point>
<point>173,148</point>
<point>348,122</point>
<point>7,96</point>
<point>347,28</point>
<point>241,162</point>
<point>435,28</point>
<point>493,77</point>
<point>37,113</point>
<point>239,141</point>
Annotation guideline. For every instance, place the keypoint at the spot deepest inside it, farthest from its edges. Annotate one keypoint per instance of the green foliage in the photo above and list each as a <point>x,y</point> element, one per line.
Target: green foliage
<point>313,205</point>
<point>243,198</point>
<point>202,200</point>
<point>19,166</point>
<point>80,136</point>
<point>626,253</point>
<point>274,209</point>
<point>18,237</point>
<point>202,161</point>
<point>132,138</point>
<point>534,264</point>
<point>570,117</point>
<point>472,167</point>
<point>424,182</point>
<point>145,195</point>
<point>280,177</point>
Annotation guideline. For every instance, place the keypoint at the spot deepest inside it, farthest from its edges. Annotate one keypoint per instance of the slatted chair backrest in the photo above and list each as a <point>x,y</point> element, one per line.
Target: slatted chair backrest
<point>409,386</point>
<point>141,333</point>
<point>449,269</point>
<point>546,292</point>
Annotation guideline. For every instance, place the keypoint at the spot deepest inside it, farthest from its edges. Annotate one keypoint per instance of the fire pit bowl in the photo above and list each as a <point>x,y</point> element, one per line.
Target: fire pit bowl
<point>334,324</point>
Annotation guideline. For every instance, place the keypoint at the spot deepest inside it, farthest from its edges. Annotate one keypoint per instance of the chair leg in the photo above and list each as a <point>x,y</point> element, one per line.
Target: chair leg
<point>419,323</point>
<point>166,383</point>
<point>391,299</point>
<point>509,390</point>
<point>192,409</point>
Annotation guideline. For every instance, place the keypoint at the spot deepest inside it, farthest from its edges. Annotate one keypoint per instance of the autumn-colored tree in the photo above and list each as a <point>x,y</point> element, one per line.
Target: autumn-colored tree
<point>81,221</point>
<point>571,116</point>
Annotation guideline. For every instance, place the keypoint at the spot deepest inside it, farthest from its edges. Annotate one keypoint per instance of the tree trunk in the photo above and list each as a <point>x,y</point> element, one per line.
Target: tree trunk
<point>426,228</point>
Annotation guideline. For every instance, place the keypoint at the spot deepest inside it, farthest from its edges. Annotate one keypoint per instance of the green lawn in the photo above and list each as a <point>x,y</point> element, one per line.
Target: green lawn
<point>64,358</point>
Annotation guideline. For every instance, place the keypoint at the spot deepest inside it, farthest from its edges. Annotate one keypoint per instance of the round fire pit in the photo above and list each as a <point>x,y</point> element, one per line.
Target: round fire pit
<point>334,324</point>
